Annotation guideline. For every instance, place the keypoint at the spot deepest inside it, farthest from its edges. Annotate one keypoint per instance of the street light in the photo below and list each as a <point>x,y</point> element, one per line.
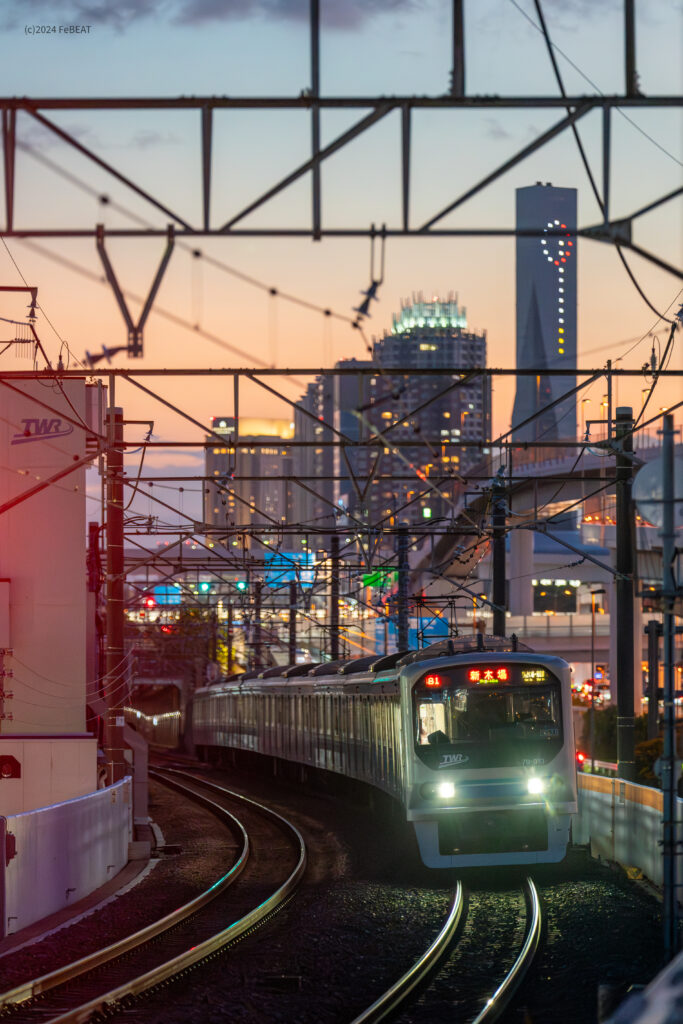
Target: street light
<point>594,593</point>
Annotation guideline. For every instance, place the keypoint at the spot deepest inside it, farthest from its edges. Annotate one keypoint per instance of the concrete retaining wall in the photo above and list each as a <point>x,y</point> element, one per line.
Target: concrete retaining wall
<point>622,822</point>
<point>64,852</point>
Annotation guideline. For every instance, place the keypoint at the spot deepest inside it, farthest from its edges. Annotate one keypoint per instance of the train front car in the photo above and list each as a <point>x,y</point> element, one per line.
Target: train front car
<point>491,772</point>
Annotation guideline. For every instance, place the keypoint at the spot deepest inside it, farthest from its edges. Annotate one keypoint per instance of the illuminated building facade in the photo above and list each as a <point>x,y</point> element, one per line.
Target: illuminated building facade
<point>313,456</point>
<point>546,312</point>
<point>421,419</point>
<point>245,485</point>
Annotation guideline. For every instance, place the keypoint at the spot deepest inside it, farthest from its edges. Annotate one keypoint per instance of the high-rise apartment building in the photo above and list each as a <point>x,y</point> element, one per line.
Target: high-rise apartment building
<point>417,422</point>
<point>546,312</point>
<point>246,485</point>
<point>313,458</point>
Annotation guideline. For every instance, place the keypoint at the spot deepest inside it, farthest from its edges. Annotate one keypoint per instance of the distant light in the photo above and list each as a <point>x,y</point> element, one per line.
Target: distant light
<point>426,513</point>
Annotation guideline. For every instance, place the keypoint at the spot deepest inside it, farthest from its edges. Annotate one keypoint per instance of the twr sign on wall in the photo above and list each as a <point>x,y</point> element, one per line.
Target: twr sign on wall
<point>42,429</point>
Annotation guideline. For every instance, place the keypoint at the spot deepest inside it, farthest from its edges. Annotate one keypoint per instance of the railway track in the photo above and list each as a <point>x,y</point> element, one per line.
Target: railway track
<point>175,943</point>
<point>395,999</point>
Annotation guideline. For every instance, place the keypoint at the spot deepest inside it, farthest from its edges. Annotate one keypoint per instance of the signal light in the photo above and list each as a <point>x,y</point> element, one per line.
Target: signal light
<point>241,585</point>
<point>205,587</point>
<point>580,757</point>
<point>150,602</point>
<point>9,767</point>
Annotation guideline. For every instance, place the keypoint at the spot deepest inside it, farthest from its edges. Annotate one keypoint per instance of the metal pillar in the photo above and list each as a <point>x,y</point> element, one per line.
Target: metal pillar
<point>115,679</point>
<point>668,761</point>
<point>315,116</point>
<point>403,571</point>
<point>653,631</point>
<point>630,48</point>
<point>334,598</point>
<point>458,72</point>
<point>498,559</point>
<point>228,638</point>
<point>257,657</point>
<point>292,622</point>
<point>625,559</point>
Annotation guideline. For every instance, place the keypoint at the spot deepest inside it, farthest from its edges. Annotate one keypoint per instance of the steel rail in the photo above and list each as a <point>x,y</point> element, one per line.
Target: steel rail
<point>30,989</point>
<point>499,1001</point>
<point>400,991</point>
<point>233,932</point>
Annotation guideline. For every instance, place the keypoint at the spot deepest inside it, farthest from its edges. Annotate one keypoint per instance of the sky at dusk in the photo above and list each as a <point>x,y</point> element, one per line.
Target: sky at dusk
<point>155,48</point>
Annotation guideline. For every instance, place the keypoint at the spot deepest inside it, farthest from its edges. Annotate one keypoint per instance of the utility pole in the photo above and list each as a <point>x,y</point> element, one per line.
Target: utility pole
<point>292,622</point>
<point>625,559</point>
<point>334,597</point>
<point>594,593</point>
<point>653,631</point>
<point>669,768</point>
<point>403,571</point>
<point>115,678</point>
<point>257,643</point>
<point>498,557</point>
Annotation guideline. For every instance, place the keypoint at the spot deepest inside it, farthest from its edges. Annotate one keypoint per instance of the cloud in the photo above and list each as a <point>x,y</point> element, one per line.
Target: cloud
<point>494,129</point>
<point>148,137</point>
<point>118,15</point>
<point>121,14</point>
<point>35,135</point>
<point>171,460</point>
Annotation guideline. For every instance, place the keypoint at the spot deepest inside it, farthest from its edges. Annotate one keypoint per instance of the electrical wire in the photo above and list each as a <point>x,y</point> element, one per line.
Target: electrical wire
<point>584,159</point>
<point>598,90</point>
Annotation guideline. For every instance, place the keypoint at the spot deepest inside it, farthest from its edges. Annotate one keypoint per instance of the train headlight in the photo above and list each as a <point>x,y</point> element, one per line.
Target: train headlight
<point>535,785</point>
<point>437,790</point>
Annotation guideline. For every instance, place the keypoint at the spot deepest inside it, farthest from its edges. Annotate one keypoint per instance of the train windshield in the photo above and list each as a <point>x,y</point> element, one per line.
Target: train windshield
<point>469,722</point>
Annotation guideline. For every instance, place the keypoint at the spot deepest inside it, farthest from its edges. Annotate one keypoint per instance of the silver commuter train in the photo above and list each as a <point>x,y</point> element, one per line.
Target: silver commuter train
<point>474,737</point>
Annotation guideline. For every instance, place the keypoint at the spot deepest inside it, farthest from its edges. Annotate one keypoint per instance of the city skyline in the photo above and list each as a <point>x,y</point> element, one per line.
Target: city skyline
<point>253,148</point>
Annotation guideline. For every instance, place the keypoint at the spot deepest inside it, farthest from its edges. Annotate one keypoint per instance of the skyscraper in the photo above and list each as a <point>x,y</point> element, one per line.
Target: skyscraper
<point>546,312</point>
<point>415,422</point>
<point>248,486</point>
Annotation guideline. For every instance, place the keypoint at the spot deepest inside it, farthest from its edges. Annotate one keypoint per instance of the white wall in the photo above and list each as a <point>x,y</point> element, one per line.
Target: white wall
<point>42,553</point>
<point>52,770</point>
<point>622,822</point>
<point>64,852</point>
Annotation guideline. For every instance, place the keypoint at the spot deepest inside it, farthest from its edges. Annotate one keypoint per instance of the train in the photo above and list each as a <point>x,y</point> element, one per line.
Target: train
<point>473,736</point>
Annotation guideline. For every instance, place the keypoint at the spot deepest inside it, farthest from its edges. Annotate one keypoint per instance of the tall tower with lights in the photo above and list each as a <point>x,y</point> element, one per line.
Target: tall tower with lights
<point>546,313</point>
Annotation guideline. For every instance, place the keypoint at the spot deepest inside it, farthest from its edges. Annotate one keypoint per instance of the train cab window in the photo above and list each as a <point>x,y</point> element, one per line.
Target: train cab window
<point>487,722</point>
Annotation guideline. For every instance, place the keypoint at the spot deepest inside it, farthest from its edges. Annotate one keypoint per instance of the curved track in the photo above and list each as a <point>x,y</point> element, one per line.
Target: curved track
<point>394,1000</point>
<point>122,978</point>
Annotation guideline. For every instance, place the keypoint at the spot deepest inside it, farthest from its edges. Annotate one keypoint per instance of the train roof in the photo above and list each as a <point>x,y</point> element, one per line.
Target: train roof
<point>473,644</point>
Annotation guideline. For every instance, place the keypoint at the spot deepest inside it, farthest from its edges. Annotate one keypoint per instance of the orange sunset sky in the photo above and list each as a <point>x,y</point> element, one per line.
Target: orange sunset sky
<point>148,48</point>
